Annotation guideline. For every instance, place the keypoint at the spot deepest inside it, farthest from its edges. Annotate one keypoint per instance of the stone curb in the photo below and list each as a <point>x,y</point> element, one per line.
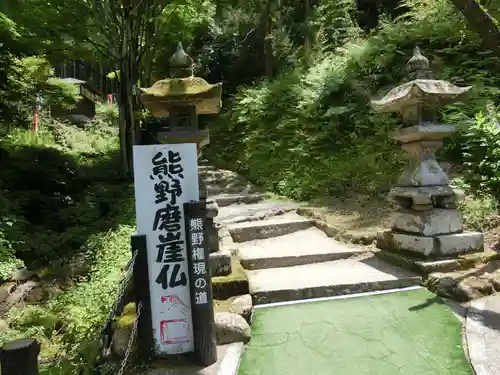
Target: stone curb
<point>226,240</point>
<point>231,361</point>
<point>483,336</point>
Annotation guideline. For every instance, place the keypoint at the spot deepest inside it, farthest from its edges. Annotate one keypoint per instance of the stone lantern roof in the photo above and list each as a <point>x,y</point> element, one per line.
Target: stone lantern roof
<point>183,89</point>
<point>422,89</point>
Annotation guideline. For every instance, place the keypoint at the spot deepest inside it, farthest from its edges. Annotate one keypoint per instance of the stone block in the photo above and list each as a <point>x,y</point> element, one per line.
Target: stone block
<point>212,208</point>
<point>220,263</point>
<point>212,236</point>
<point>438,246</point>
<point>460,243</point>
<point>413,243</point>
<point>423,195</point>
<point>428,223</point>
<point>422,132</point>
<point>423,169</point>
<point>231,328</point>
<point>243,306</point>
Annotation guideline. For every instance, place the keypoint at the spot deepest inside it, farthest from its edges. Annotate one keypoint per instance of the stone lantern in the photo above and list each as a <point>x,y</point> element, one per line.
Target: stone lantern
<point>427,222</point>
<point>182,98</point>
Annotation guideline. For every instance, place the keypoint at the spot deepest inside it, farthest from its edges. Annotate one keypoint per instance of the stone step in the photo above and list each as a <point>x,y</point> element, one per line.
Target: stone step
<point>231,189</point>
<point>346,276</point>
<point>211,174</point>
<point>206,167</point>
<point>220,263</point>
<point>274,227</point>
<point>228,199</point>
<point>303,247</point>
<point>237,213</point>
<point>231,180</point>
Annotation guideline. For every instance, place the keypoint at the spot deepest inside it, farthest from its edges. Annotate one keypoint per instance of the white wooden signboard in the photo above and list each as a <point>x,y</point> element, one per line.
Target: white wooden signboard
<point>165,177</point>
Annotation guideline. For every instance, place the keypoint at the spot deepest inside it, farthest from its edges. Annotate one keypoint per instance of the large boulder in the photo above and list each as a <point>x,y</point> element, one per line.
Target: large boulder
<point>441,284</point>
<point>458,288</point>
<point>22,275</point>
<point>242,306</point>
<point>42,292</point>
<point>77,266</point>
<point>231,328</point>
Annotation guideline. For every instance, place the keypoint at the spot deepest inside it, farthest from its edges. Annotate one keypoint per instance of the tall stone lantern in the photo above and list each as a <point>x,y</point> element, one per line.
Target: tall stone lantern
<point>182,98</point>
<point>426,222</point>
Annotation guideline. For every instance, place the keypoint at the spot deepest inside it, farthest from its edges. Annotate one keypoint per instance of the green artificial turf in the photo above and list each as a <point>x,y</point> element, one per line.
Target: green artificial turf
<point>404,333</point>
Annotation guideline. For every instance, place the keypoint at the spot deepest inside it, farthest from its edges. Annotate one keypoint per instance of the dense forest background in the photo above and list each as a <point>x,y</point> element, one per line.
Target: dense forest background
<point>297,77</point>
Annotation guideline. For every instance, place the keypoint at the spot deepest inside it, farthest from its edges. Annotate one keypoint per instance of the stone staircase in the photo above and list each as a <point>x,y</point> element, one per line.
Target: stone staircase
<point>285,256</point>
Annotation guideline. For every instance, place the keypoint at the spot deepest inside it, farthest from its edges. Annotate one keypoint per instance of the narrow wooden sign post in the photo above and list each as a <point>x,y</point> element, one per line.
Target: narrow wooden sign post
<point>202,309</point>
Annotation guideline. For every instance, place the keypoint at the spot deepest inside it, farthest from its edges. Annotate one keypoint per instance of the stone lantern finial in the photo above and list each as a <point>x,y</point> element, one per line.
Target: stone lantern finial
<point>181,64</point>
<point>418,66</point>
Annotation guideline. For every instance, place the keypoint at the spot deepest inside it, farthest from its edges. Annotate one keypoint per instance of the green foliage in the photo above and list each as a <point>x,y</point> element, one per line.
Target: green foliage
<point>106,114</point>
<point>60,187</point>
<point>482,153</point>
<point>85,306</point>
<point>55,30</point>
<point>27,77</point>
<point>35,75</point>
<point>68,326</point>
<point>480,214</point>
<point>32,315</point>
<point>311,131</point>
<point>62,194</point>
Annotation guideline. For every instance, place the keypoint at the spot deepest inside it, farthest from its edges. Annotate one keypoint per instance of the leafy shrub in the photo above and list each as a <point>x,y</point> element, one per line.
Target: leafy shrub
<point>311,131</point>
<point>68,326</point>
<point>480,214</point>
<point>106,114</point>
<point>27,77</point>
<point>61,194</point>
<point>60,186</point>
<point>482,153</point>
<point>33,315</point>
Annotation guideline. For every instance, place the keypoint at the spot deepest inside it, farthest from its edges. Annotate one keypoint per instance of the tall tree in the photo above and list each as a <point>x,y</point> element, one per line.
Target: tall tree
<point>124,32</point>
<point>481,22</point>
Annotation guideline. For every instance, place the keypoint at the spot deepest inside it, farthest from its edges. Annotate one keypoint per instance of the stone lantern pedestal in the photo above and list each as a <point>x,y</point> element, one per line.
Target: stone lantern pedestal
<point>181,99</point>
<point>426,222</point>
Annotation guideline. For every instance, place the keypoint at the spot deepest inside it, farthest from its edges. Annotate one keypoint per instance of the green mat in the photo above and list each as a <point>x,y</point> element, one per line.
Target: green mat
<point>404,333</point>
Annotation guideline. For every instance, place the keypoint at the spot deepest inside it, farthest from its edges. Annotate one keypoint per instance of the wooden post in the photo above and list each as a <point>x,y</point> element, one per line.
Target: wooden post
<point>205,347</point>
<point>141,295</point>
<point>20,357</point>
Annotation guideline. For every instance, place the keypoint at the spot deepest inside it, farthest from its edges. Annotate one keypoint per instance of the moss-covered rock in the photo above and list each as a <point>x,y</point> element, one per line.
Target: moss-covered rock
<point>122,329</point>
<point>234,284</point>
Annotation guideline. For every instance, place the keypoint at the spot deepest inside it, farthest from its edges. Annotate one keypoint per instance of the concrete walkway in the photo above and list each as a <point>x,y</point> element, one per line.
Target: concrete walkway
<point>483,335</point>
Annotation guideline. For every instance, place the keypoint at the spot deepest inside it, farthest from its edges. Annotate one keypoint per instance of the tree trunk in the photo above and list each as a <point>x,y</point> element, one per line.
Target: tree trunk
<point>307,30</point>
<point>265,28</point>
<point>480,21</point>
<point>123,103</point>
